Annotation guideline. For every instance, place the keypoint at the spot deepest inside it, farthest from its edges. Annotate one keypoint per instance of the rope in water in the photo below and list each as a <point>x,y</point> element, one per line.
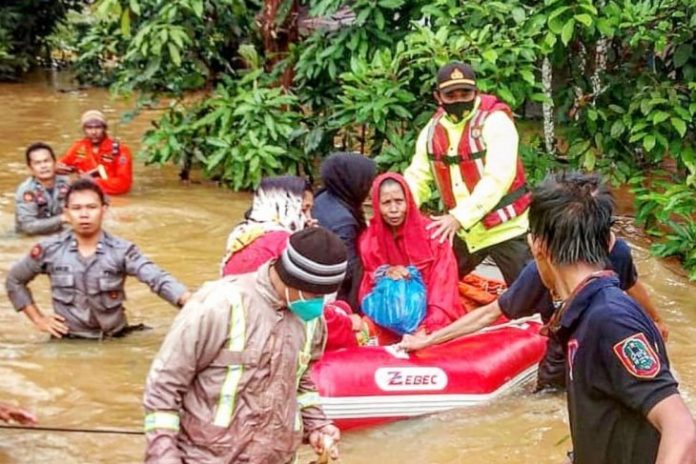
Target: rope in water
<point>71,430</point>
<point>324,458</point>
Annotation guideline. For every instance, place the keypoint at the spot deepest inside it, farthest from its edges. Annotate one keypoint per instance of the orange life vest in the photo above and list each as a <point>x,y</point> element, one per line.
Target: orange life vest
<point>471,159</point>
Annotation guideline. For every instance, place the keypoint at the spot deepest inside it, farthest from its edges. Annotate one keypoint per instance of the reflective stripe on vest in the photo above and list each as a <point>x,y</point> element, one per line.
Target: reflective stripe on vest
<point>470,157</point>
<point>228,393</point>
<point>305,400</point>
<point>440,167</point>
<point>309,399</point>
<point>476,144</point>
<point>306,353</point>
<point>161,420</point>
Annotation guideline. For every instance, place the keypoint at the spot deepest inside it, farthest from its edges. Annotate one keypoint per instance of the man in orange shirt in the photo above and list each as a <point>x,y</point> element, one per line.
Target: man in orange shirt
<point>98,149</point>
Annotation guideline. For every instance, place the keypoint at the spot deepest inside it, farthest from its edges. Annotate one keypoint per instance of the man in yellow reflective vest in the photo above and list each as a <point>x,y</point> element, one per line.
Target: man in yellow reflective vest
<point>232,382</point>
<point>469,151</point>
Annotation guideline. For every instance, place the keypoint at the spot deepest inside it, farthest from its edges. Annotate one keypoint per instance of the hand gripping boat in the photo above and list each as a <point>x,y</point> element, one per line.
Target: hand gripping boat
<point>367,386</point>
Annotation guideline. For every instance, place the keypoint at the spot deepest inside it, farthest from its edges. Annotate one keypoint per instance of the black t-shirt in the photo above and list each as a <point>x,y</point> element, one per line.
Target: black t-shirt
<point>528,296</point>
<point>617,370</point>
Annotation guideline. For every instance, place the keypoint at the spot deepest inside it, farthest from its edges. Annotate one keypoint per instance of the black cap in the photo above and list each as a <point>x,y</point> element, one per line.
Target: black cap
<point>314,261</point>
<point>454,76</point>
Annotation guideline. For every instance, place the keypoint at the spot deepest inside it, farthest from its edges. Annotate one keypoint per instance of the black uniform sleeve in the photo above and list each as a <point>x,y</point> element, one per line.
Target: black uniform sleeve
<point>635,361</point>
<point>526,296</point>
<point>621,262</point>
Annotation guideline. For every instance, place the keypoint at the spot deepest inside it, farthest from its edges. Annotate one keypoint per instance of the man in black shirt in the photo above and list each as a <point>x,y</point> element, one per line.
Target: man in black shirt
<point>623,403</point>
<point>526,297</point>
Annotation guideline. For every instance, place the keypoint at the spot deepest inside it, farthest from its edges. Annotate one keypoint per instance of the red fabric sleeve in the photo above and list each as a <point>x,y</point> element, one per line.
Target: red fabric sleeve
<point>441,283</point>
<point>265,248</point>
<point>121,176</point>
<point>339,326</point>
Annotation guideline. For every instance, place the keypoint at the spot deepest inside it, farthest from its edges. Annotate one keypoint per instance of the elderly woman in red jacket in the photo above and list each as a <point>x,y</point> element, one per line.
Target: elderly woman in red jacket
<point>397,237</point>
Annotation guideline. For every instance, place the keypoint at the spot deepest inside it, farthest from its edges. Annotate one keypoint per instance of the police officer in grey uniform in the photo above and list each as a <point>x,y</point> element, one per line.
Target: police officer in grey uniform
<point>39,199</point>
<point>87,267</point>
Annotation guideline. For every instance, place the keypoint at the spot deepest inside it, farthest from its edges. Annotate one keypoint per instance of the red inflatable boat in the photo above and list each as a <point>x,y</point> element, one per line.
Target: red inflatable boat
<point>373,385</point>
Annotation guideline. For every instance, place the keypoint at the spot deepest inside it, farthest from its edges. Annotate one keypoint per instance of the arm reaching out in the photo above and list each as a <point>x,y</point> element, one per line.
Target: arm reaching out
<point>677,431</point>
<point>13,414</point>
<point>469,323</point>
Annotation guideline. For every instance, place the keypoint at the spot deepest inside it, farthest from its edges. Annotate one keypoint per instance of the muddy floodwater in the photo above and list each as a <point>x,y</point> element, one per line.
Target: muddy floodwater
<point>80,384</point>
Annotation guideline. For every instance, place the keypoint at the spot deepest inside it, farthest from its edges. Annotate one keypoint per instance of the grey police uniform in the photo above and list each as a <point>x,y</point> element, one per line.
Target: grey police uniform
<point>38,210</point>
<point>88,292</point>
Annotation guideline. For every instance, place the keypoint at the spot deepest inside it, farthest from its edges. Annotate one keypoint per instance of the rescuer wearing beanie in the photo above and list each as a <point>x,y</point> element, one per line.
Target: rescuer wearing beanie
<point>99,153</point>
<point>231,382</point>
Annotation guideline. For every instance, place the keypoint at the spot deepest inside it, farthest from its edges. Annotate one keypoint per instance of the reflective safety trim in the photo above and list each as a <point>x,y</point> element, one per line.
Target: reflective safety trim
<point>308,399</point>
<point>479,166</point>
<point>161,420</point>
<point>306,353</point>
<point>228,393</point>
<point>431,134</point>
<point>475,131</point>
<point>510,211</point>
<point>298,420</point>
<point>502,216</point>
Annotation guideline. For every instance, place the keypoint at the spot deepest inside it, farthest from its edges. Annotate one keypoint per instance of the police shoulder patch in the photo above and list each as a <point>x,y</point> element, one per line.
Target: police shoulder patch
<point>28,196</point>
<point>637,356</point>
<point>36,251</point>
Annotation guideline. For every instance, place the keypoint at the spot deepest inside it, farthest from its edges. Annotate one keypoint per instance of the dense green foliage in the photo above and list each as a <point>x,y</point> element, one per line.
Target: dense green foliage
<point>25,26</point>
<point>624,85</point>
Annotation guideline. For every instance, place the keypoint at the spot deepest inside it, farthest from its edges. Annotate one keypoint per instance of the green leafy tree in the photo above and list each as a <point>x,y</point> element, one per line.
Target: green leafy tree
<point>25,26</point>
<point>281,83</point>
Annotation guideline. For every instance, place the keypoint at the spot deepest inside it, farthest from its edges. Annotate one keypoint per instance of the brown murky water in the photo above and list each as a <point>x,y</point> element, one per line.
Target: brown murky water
<point>99,385</point>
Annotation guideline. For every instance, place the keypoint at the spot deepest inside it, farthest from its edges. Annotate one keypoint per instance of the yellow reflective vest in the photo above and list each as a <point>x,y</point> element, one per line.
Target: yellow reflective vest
<point>501,140</point>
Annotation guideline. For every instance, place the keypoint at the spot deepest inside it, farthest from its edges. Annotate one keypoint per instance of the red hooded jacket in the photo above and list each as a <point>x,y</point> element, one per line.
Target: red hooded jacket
<point>411,245</point>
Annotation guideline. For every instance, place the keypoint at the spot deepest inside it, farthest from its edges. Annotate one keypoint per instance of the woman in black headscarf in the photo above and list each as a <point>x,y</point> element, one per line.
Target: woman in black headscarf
<point>347,178</point>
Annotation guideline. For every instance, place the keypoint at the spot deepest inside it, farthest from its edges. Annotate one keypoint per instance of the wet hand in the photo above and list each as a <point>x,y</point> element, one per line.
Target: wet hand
<point>444,228</point>
<point>53,324</point>
<point>397,273</point>
<point>326,437</point>
<point>12,414</point>
<point>414,342</point>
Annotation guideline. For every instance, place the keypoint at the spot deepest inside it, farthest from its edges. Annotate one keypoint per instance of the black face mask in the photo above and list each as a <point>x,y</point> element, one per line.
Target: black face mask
<point>458,109</point>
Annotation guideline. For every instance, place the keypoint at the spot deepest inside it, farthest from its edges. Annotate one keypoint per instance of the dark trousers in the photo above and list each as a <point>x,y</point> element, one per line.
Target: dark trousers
<point>510,257</point>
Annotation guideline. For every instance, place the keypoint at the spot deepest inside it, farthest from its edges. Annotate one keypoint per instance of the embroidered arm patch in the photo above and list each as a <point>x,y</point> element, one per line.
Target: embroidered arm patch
<point>637,356</point>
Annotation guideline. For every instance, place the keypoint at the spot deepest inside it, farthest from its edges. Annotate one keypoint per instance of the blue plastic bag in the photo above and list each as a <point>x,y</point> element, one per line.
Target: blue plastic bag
<point>397,305</point>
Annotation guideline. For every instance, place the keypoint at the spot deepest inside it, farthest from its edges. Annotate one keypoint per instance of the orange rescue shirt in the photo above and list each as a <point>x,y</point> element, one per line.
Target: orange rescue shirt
<point>84,156</point>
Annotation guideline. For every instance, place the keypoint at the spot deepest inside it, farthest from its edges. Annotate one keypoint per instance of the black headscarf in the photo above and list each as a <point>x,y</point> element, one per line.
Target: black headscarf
<point>348,177</point>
